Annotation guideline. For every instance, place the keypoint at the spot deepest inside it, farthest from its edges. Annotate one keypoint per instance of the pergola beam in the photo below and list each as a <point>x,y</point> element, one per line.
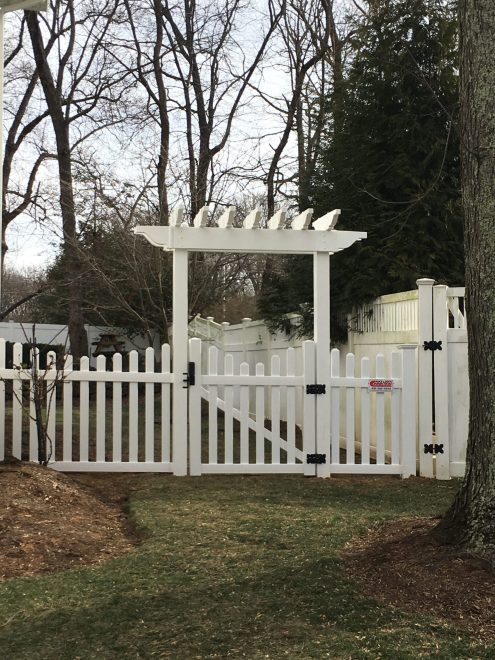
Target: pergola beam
<point>280,241</point>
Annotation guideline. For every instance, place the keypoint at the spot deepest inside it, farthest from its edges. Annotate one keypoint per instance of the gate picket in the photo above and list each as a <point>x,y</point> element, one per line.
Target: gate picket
<point>260,416</point>
<point>335,407</point>
<point>365,413</point>
<point>275,412</point>
<point>380,413</point>
<point>291,408</point>
<point>244,408</point>
<point>350,413</point>
<point>395,411</point>
<point>229,412</point>
<point>212,408</point>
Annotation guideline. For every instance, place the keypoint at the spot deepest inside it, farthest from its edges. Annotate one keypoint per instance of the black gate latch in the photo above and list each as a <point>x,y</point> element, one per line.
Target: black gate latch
<point>316,389</point>
<point>316,459</point>
<point>432,345</point>
<point>190,375</point>
<point>433,449</point>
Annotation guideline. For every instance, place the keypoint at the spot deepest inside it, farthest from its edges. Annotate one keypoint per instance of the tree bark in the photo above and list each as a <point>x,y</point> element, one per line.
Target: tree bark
<point>470,522</point>
<point>77,332</point>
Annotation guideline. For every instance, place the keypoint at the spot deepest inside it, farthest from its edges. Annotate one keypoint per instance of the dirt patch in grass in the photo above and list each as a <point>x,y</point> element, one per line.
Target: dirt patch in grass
<point>50,521</point>
<point>401,564</point>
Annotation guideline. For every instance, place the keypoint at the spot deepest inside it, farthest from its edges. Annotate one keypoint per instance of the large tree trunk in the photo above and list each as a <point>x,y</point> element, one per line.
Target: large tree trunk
<point>77,332</point>
<point>470,522</point>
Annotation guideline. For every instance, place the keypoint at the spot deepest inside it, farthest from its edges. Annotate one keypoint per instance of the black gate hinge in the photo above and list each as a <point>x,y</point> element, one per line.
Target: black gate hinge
<point>316,389</point>
<point>432,345</point>
<point>433,449</point>
<point>316,459</point>
<point>190,375</point>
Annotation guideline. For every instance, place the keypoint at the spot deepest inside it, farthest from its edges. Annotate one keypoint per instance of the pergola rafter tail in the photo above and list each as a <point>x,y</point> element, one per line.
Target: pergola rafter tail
<point>250,238</point>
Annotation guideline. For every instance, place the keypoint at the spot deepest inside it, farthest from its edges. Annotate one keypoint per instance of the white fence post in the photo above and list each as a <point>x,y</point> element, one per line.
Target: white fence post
<point>425,375</point>
<point>309,406</point>
<point>321,284</point>
<point>179,361</point>
<point>408,410</point>
<point>441,384</point>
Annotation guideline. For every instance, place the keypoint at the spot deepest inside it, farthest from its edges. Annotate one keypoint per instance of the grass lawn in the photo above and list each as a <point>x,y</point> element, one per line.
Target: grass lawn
<point>233,567</point>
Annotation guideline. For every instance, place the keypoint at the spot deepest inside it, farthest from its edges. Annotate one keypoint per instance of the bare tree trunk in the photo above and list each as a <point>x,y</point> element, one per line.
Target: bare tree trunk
<point>470,522</point>
<point>77,332</point>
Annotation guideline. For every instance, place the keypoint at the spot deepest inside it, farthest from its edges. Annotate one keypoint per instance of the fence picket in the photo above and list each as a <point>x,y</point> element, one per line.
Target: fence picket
<point>228,414</point>
<point>51,405</point>
<point>260,417</point>
<point>117,411</point>
<point>149,409</point>
<point>165,406</point>
<point>291,408</point>
<point>380,413</point>
<point>244,410</point>
<point>275,411</point>
<point>33,429</point>
<point>365,413</point>
<point>395,410</point>
<point>17,403</point>
<point>335,407</point>
<point>100,411</point>
<point>350,412</point>
<point>212,407</point>
<point>133,408</point>
<point>84,412</point>
<point>2,402</point>
<point>67,410</point>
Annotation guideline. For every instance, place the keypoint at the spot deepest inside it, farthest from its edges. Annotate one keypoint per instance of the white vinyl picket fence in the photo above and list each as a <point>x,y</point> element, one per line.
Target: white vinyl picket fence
<point>119,420</point>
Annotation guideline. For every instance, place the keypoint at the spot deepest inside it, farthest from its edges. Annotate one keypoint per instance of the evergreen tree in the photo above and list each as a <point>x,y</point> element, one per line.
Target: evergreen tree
<point>394,168</point>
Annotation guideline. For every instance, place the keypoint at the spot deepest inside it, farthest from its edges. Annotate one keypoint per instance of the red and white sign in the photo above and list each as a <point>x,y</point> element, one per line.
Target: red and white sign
<point>380,385</point>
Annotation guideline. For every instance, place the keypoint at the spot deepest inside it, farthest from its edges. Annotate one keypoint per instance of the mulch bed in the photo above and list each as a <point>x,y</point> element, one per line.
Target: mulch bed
<point>400,563</point>
<point>50,521</point>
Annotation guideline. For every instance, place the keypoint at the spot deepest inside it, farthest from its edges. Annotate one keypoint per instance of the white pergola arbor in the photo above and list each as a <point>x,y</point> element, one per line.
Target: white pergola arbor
<point>7,6</point>
<point>320,239</point>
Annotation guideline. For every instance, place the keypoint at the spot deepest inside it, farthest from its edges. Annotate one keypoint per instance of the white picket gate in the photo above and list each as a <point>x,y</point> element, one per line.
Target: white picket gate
<point>240,440</point>
<point>443,380</point>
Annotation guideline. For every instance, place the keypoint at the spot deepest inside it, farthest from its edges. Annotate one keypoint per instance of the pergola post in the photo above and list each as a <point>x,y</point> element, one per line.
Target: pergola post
<point>321,305</point>
<point>180,338</point>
